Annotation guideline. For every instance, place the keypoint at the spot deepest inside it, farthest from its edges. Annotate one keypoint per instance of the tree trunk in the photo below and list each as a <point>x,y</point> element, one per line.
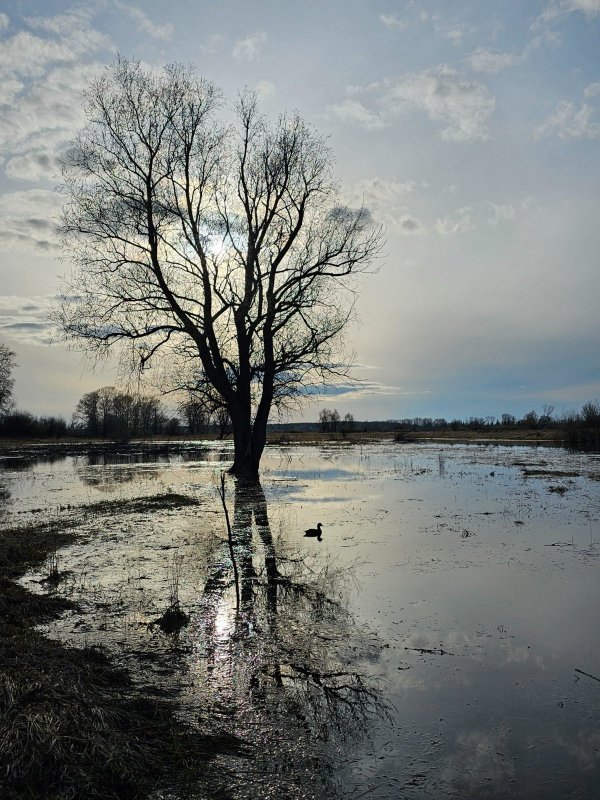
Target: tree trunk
<point>248,447</point>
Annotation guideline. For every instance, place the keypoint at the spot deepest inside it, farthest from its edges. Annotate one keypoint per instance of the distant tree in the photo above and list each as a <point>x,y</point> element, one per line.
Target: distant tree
<point>222,420</point>
<point>329,420</point>
<point>7,364</point>
<point>195,414</point>
<point>111,413</point>
<point>546,416</point>
<point>530,420</point>
<point>590,413</point>
<point>324,420</point>
<point>225,246</point>
<point>508,420</point>
<point>348,424</point>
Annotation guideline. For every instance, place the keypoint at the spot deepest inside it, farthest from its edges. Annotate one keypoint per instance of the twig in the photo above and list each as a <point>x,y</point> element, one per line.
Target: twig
<point>436,651</point>
<point>587,674</point>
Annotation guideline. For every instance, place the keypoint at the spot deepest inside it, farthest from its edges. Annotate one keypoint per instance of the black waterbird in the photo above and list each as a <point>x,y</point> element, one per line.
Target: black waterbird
<point>315,531</point>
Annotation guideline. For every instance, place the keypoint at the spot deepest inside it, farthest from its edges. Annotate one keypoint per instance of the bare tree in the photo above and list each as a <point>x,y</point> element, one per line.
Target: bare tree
<point>225,245</point>
<point>7,364</point>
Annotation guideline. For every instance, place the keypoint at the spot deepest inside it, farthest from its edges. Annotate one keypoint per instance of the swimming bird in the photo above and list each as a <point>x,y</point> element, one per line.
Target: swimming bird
<point>315,531</point>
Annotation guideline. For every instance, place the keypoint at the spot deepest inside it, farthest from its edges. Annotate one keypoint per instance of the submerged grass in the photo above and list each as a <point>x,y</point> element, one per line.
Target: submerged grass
<point>71,725</point>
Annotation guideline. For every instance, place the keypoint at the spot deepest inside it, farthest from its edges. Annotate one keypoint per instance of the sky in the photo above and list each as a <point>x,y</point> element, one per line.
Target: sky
<point>471,130</point>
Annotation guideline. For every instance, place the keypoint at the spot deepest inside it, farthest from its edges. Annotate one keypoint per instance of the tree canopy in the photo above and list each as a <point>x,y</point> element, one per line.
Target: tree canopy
<point>221,244</point>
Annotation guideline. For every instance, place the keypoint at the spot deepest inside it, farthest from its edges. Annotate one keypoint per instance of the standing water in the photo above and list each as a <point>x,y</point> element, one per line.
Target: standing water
<point>440,640</point>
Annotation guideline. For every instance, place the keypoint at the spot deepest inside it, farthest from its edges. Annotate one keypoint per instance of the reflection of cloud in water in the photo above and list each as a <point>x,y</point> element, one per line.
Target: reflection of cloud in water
<point>583,746</point>
<point>478,763</point>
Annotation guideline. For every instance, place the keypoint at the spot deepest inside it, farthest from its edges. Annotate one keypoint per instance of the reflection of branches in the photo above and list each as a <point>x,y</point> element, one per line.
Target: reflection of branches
<point>293,649</point>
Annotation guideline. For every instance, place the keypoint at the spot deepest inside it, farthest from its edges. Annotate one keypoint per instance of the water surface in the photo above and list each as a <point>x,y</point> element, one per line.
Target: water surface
<point>440,641</point>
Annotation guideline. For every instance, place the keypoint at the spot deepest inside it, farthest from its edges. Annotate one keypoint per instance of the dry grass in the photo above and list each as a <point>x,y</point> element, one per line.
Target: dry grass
<point>71,725</point>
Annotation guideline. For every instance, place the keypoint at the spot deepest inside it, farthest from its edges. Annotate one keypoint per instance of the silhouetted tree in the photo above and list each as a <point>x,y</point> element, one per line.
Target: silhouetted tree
<point>108,412</point>
<point>225,245</point>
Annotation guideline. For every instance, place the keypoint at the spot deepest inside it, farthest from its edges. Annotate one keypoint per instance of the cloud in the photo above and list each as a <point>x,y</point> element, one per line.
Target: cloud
<point>482,60</point>
<point>26,319</point>
<point>34,166</point>
<point>442,93</point>
<point>9,88</point>
<point>42,72</point>
<point>212,44</point>
<point>4,21</point>
<point>357,389</point>
<point>570,121</point>
<point>458,33</point>
<point>162,32</point>
<point>393,21</point>
<point>354,112</point>
<point>445,96</point>
<point>592,90</point>
<point>37,126</point>
<point>265,90</point>
<point>248,49</point>
<point>461,222</point>
<point>559,8</point>
<point>501,213</point>
<point>490,214</point>
<point>28,219</point>
<point>386,202</point>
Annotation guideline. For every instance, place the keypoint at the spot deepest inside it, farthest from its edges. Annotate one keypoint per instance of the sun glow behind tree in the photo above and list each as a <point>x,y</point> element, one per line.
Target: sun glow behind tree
<point>221,245</point>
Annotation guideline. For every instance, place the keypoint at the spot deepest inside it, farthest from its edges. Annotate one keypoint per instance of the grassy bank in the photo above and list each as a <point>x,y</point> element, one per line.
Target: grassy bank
<point>71,725</point>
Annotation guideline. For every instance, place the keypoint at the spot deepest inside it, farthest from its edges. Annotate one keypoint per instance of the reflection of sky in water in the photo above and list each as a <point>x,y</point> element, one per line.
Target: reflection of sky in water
<point>482,581</point>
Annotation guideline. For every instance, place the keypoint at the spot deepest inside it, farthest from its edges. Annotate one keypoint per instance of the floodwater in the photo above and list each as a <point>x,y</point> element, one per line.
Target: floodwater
<point>440,641</point>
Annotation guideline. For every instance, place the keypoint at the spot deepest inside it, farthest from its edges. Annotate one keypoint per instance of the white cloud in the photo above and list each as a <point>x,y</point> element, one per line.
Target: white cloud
<point>461,222</point>
<point>354,111</point>
<point>392,21</point>
<point>592,89</point>
<point>501,213</point>
<point>212,44</point>
<point>40,81</point>
<point>9,88</point>
<point>44,119</point>
<point>482,60</point>
<point>248,49</point>
<point>458,33</point>
<point>558,8</point>
<point>4,21</point>
<point>162,32</point>
<point>265,90</point>
<point>445,96</point>
<point>570,121</point>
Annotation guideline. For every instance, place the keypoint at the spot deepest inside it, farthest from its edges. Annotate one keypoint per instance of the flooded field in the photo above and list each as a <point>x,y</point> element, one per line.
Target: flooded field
<point>440,640</point>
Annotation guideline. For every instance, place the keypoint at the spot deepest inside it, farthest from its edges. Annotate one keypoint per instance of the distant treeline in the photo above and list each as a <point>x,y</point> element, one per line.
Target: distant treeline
<point>110,413</point>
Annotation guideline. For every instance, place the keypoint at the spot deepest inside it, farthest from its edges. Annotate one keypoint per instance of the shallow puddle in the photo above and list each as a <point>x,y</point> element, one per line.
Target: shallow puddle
<point>440,641</point>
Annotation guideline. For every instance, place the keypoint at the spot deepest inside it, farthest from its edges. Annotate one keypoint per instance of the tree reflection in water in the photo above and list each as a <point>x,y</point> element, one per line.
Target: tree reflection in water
<point>292,666</point>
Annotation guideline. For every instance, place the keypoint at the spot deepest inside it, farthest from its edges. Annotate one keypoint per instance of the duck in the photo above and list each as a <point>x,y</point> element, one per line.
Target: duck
<point>315,531</point>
